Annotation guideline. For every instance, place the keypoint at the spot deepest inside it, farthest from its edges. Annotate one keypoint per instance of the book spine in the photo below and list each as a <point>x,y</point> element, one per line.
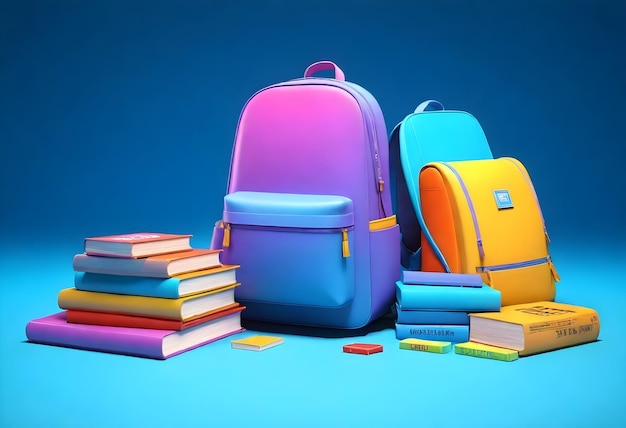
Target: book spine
<point>432,317</point>
<point>492,353</point>
<point>556,334</point>
<point>441,278</point>
<point>442,298</point>
<point>166,288</point>
<point>71,298</point>
<point>120,266</point>
<point>434,346</point>
<point>104,339</point>
<point>119,320</point>
<point>450,333</point>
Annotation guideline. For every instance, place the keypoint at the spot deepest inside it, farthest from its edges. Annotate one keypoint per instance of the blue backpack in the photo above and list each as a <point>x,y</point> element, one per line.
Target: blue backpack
<point>429,134</point>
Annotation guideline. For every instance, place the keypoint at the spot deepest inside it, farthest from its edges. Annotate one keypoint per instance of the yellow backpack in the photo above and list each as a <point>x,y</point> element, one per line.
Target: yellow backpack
<point>483,216</point>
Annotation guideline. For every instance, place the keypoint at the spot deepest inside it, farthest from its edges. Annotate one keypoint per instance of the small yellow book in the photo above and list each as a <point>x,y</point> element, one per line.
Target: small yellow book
<point>481,350</point>
<point>257,343</point>
<point>181,309</point>
<point>530,328</point>
<point>423,345</point>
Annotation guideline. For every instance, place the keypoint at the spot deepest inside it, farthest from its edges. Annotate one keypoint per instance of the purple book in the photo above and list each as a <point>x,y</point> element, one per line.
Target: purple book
<point>139,342</point>
<point>411,277</point>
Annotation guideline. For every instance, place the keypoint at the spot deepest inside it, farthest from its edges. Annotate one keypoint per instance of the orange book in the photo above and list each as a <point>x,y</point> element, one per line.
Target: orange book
<point>530,328</point>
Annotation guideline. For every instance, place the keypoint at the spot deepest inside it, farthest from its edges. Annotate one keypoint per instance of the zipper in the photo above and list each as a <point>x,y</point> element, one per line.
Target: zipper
<point>345,243</point>
<point>528,263</point>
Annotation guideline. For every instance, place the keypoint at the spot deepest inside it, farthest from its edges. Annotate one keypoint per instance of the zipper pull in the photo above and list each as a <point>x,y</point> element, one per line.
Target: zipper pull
<point>545,231</point>
<point>555,274</point>
<point>345,245</point>
<point>381,185</point>
<point>488,274</point>
<point>226,239</point>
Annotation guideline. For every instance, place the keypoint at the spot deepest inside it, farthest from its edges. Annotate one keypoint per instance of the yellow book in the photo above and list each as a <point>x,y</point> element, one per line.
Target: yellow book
<point>530,328</point>
<point>481,350</point>
<point>256,343</point>
<point>435,346</point>
<point>181,309</point>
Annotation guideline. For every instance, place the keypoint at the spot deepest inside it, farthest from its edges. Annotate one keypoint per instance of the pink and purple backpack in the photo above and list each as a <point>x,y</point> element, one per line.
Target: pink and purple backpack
<point>307,212</point>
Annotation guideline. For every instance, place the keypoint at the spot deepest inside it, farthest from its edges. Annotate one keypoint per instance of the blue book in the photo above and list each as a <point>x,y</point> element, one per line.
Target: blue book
<point>406,316</point>
<point>168,288</point>
<point>444,298</point>
<point>449,333</point>
<point>442,278</point>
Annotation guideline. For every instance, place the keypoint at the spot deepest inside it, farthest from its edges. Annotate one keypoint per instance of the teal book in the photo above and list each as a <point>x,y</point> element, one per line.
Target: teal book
<point>449,333</point>
<point>444,298</point>
<point>167,288</point>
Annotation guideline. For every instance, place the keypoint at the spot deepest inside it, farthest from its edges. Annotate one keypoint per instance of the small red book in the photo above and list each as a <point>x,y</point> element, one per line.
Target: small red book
<point>134,245</point>
<point>363,348</point>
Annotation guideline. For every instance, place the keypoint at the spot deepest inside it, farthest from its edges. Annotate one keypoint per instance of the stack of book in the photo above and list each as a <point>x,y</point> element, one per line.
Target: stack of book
<point>529,328</point>
<point>143,294</point>
<point>436,306</point>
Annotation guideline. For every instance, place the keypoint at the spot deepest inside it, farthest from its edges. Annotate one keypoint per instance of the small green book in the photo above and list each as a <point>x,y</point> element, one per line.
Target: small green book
<point>423,345</point>
<point>480,350</point>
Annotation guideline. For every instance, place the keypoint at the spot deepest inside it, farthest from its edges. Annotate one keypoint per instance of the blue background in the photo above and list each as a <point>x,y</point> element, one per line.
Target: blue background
<point>119,116</point>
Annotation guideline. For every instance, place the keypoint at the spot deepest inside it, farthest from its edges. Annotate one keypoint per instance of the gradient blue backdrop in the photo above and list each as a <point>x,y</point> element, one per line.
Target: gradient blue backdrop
<point>119,116</point>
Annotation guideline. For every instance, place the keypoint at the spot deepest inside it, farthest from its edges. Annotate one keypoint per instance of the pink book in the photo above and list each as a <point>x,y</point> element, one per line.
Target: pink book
<point>139,342</point>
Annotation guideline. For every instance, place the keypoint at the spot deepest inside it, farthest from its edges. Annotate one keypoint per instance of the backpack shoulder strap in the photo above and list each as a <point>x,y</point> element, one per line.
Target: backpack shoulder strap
<point>407,205</point>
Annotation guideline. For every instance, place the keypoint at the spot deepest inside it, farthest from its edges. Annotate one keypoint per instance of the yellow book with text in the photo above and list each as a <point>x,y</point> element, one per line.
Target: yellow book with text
<point>181,309</point>
<point>530,328</point>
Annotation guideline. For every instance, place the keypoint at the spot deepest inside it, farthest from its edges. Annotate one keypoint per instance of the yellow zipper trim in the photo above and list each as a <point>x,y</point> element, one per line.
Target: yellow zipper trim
<point>345,246</point>
<point>383,223</point>
<point>555,274</point>
<point>226,238</point>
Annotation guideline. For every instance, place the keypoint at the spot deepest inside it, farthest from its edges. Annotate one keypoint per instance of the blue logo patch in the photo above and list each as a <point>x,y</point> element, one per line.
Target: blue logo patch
<point>503,199</point>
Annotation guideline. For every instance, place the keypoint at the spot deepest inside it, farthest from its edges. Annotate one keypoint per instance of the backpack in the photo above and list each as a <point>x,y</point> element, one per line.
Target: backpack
<point>486,218</point>
<point>429,134</point>
<point>307,212</point>
<point>462,211</point>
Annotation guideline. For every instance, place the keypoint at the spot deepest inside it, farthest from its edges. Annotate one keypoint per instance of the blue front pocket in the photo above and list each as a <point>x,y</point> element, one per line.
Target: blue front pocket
<point>292,249</point>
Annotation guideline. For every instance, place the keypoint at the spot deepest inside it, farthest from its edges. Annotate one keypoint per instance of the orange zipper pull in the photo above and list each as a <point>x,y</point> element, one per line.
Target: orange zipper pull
<point>555,274</point>
<point>226,239</point>
<point>345,246</point>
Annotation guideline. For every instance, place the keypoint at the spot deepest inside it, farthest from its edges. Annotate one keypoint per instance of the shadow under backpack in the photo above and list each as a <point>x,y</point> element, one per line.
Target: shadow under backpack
<point>307,213</point>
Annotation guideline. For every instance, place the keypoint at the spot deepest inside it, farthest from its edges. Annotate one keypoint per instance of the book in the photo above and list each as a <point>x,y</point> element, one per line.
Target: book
<point>436,346</point>
<point>407,316</point>
<point>168,288</point>
<point>141,244</point>
<point>410,277</point>
<point>450,333</point>
<point>444,298</point>
<point>140,342</point>
<point>120,320</point>
<point>257,343</point>
<point>530,328</point>
<point>181,309</point>
<point>481,350</point>
<point>363,348</point>
<point>161,266</point>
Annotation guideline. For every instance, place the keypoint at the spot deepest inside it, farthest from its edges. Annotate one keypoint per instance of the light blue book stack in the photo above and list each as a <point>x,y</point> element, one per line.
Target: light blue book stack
<point>436,306</point>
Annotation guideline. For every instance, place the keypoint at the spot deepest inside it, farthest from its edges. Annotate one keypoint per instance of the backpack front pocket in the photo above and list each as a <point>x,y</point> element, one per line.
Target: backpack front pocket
<point>292,249</point>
